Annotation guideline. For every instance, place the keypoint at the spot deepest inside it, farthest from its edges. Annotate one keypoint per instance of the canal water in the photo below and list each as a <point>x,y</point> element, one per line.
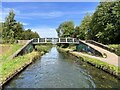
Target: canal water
<point>58,70</point>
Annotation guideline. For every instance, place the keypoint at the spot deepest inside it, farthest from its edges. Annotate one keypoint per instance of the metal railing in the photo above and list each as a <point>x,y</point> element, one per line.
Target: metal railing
<point>55,40</point>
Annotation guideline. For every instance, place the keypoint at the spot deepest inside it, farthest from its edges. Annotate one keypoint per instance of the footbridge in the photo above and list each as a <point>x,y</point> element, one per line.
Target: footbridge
<point>55,40</point>
<point>92,47</point>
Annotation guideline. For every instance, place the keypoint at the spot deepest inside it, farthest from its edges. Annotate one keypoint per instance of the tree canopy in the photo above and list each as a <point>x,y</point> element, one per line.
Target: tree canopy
<point>65,29</point>
<point>13,30</point>
<point>82,31</point>
<point>103,26</point>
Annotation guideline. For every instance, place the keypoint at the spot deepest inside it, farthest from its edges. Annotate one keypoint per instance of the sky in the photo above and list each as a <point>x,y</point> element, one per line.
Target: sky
<point>45,17</point>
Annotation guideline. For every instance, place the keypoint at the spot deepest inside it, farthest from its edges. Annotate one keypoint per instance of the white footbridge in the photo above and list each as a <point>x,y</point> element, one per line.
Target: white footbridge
<point>55,40</point>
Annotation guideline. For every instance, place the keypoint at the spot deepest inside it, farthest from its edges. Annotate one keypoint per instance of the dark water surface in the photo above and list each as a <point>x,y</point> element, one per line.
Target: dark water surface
<point>58,70</point>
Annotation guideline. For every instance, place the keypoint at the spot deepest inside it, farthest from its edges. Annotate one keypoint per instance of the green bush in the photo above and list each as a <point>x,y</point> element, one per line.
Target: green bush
<point>116,47</point>
<point>10,41</point>
<point>43,48</point>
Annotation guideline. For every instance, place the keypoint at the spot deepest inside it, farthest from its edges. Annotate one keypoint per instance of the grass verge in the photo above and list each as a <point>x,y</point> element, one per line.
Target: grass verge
<point>116,47</point>
<point>8,50</point>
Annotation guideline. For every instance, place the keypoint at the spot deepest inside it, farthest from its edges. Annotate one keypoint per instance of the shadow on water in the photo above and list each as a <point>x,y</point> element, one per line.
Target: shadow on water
<point>59,70</point>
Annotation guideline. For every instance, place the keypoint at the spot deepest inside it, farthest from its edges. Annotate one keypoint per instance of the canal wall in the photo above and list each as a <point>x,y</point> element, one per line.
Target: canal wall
<point>88,48</point>
<point>27,48</point>
<point>100,45</point>
<point>111,69</point>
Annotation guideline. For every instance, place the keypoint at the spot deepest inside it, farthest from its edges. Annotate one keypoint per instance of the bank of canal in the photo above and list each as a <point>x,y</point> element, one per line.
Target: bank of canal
<point>58,70</point>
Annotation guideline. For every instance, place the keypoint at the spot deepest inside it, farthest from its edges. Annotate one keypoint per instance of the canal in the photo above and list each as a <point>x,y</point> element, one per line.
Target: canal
<point>59,70</point>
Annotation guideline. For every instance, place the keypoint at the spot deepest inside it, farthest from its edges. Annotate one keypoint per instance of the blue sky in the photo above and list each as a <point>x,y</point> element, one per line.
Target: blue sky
<point>45,17</point>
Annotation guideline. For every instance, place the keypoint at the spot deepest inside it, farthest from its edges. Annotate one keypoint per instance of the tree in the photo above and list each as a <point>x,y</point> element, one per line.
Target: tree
<point>18,29</point>
<point>13,30</point>
<point>65,29</point>
<point>28,34</point>
<point>82,31</point>
<point>105,24</point>
<point>8,26</point>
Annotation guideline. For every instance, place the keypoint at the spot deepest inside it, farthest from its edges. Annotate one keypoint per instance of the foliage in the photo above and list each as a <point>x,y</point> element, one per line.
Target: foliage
<point>116,47</point>
<point>28,34</point>
<point>8,27</point>
<point>13,30</point>
<point>43,48</point>
<point>103,65</point>
<point>82,31</point>
<point>105,24</point>
<point>65,29</point>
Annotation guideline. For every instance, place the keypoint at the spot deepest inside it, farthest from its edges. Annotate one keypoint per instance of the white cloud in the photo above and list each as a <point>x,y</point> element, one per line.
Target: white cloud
<point>25,24</point>
<point>52,14</point>
<point>44,15</point>
<point>45,31</point>
<point>2,21</point>
<point>5,11</point>
<point>88,11</point>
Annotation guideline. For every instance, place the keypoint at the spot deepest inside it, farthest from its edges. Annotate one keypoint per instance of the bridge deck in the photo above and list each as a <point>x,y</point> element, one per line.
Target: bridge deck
<point>55,40</point>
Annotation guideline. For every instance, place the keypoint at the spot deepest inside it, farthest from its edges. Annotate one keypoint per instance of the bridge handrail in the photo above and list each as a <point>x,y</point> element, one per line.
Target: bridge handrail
<point>100,45</point>
<point>59,40</point>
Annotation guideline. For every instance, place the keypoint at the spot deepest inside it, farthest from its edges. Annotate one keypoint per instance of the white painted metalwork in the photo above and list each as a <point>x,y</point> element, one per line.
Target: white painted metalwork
<point>38,40</point>
<point>66,39</point>
<point>59,40</point>
<point>45,40</point>
<point>55,40</point>
<point>73,39</point>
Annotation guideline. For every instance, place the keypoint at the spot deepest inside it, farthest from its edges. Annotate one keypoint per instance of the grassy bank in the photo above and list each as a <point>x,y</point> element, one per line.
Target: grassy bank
<point>8,50</point>
<point>113,70</point>
<point>116,47</point>
<point>43,48</point>
<point>9,68</point>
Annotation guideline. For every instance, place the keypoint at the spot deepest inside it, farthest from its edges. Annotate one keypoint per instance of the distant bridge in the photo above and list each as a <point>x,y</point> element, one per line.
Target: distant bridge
<point>89,46</point>
<point>55,40</point>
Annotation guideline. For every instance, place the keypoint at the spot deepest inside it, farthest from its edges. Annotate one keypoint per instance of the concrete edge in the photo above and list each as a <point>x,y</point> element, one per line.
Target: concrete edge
<point>19,50</point>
